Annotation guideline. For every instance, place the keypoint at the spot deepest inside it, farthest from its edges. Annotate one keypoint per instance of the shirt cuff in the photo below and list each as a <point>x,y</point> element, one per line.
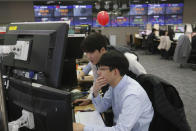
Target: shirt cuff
<point>94,99</point>
<point>88,128</point>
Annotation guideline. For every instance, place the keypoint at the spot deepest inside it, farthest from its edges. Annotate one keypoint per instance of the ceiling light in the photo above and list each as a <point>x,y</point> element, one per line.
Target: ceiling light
<point>106,6</point>
<point>115,6</point>
<point>124,6</point>
<point>97,6</point>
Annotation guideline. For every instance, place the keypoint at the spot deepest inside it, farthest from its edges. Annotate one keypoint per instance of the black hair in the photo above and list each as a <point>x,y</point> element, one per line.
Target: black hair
<point>94,42</point>
<point>92,30</point>
<point>114,60</point>
<point>99,31</point>
<point>153,30</point>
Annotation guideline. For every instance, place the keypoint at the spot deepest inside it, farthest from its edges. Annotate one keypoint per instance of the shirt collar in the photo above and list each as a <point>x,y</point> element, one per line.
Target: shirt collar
<point>121,84</point>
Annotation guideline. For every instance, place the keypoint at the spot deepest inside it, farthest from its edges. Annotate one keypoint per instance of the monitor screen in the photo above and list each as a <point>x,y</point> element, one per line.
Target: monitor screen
<point>47,42</point>
<point>69,18</point>
<point>51,107</point>
<point>62,11</point>
<point>82,10</point>
<point>139,9</point>
<point>44,19</point>
<point>177,35</point>
<point>156,19</point>
<point>120,21</point>
<point>75,50</point>
<point>3,110</point>
<point>179,28</point>
<point>156,9</point>
<point>43,11</point>
<point>173,19</point>
<point>95,22</point>
<point>138,20</point>
<point>82,20</point>
<point>174,8</point>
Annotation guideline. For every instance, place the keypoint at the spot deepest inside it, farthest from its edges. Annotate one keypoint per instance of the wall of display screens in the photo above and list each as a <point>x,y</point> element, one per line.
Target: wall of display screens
<point>138,15</point>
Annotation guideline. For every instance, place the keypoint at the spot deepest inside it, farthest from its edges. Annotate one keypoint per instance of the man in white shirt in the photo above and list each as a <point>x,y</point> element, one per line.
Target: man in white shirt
<point>130,104</point>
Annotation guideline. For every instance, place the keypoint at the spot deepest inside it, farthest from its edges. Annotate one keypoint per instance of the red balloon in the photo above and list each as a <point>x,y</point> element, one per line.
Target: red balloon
<point>103,18</point>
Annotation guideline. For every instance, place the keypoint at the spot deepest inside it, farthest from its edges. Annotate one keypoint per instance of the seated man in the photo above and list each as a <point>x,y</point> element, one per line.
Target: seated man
<point>95,45</point>
<point>131,106</point>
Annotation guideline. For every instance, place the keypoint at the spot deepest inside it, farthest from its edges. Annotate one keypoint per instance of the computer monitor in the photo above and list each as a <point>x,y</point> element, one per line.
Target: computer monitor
<point>48,46</point>
<point>138,9</point>
<point>51,107</point>
<point>177,35</point>
<point>179,28</point>
<point>3,113</point>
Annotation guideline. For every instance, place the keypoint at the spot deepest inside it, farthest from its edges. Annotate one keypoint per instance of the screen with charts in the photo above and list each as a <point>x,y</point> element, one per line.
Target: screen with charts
<point>138,20</point>
<point>120,21</point>
<point>139,9</point>
<point>61,11</point>
<point>179,28</point>
<point>66,19</point>
<point>156,19</point>
<point>95,22</point>
<point>156,9</point>
<point>173,19</point>
<point>177,35</point>
<point>43,11</point>
<point>82,10</point>
<point>83,20</point>
<point>174,8</point>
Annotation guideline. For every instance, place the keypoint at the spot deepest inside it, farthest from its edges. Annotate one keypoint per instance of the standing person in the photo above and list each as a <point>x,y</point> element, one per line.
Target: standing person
<point>131,106</point>
<point>152,45</point>
<point>95,45</point>
<point>182,50</point>
<point>164,45</point>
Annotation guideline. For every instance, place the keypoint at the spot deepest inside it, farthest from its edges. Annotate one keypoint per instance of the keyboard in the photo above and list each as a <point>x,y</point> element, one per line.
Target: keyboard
<point>89,118</point>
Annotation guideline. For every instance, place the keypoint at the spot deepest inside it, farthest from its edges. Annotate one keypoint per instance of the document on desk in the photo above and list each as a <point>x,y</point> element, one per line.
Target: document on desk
<point>89,118</point>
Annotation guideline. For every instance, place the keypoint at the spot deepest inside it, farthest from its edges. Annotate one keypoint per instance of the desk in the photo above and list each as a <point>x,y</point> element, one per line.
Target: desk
<point>87,115</point>
<point>139,40</point>
<point>86,79</point>
<point>83,108</point>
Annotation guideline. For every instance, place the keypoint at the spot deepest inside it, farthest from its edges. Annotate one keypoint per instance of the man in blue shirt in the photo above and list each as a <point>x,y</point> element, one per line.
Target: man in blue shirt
<point>130,104</point>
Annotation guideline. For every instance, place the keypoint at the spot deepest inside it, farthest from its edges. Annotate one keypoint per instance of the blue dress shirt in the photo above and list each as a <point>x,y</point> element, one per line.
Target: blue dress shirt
<point>131,106</point>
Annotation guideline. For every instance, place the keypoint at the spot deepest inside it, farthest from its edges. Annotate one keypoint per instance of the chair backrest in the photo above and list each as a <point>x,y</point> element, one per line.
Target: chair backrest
<point>192,57</point>
<point>168,107</point>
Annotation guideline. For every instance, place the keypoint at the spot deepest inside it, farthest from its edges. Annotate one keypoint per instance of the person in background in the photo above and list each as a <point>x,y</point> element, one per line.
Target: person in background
<point>95,45</point>
<point>171,34</point>
<point>182,50</point>
<point>192,58</point>
<point>164,45</point>
<point>131,106</point>
<point>151,42</point>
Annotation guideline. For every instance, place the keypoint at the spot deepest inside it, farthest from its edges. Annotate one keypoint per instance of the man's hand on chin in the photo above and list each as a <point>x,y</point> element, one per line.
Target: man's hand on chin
<point>78,127</point>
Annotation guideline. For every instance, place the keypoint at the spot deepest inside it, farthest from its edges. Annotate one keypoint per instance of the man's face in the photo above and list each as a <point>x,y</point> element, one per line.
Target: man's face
<point>104,72</point>
<point>95,56</point>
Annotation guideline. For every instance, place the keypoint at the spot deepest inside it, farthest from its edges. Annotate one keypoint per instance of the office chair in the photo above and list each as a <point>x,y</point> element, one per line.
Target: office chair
<point>169,114</point>
<point>192,57</point>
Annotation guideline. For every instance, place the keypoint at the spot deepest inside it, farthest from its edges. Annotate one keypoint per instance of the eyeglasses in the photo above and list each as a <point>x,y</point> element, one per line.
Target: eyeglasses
<point>103,68</point>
